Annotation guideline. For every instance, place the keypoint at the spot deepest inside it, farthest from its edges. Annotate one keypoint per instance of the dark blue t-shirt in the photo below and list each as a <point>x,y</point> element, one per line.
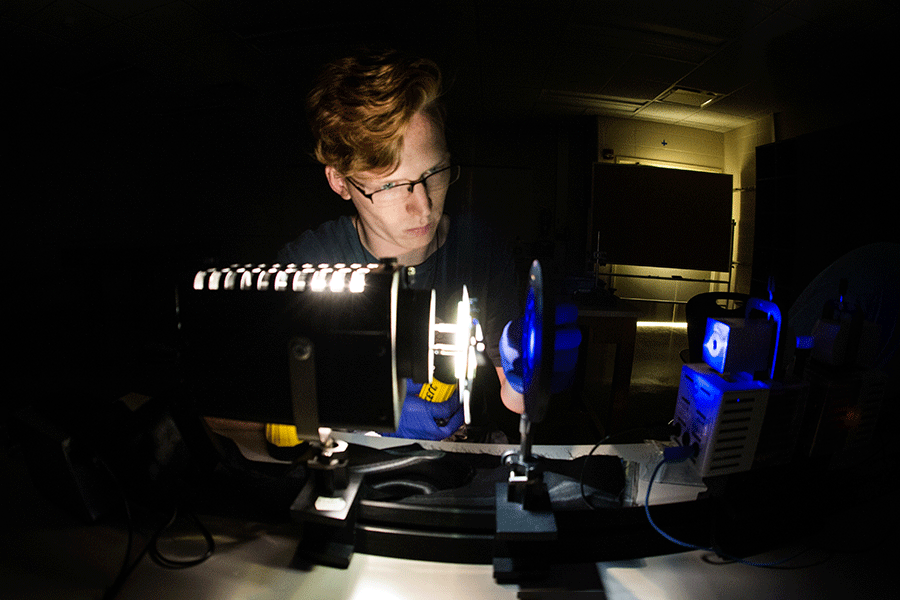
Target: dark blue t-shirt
<point>472,255</point>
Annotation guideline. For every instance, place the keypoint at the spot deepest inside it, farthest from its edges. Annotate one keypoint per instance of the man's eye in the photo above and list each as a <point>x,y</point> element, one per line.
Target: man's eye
<point>387,186</point>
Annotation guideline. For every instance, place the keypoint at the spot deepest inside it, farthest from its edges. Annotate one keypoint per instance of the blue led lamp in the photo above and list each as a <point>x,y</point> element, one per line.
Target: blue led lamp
<point>733,346</point>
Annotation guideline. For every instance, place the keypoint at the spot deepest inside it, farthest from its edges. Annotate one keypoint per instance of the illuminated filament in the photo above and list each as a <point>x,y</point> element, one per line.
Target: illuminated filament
<point>459,340</point>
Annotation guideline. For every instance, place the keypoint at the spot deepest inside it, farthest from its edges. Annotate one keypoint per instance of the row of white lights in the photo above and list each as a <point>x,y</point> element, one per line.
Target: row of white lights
<point>336,278</point>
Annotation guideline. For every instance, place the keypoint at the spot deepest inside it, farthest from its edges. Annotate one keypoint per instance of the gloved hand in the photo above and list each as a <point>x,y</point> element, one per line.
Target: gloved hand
<point>422,419</point>
<point>565,350</point>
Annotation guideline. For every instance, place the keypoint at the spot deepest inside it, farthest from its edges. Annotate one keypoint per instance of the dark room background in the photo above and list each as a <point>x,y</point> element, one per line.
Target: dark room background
<point>111,200</point>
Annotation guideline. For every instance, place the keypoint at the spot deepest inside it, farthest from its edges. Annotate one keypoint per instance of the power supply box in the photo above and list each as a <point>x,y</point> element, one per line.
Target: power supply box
<point>721,418</point>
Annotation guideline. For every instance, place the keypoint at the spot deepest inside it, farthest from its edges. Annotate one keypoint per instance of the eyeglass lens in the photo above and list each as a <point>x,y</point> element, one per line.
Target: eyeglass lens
<point>435,182</point>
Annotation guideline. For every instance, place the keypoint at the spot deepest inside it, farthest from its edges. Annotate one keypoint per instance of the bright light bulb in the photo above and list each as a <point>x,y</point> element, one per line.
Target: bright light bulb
<point>338,280</point>
<point>463,323</point>
<point>357,281</point>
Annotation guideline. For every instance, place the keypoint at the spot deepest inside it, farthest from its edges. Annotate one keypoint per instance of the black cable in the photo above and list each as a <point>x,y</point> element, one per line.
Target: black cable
<point>124,573</point>
<point>678,454</point>
<point>125,570</point>
<point>587,457</point>
<point>128,566</point>
<point>170,563</point>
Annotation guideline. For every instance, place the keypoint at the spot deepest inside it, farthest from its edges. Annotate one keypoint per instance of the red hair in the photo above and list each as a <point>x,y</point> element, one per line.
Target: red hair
<point>360,108</point>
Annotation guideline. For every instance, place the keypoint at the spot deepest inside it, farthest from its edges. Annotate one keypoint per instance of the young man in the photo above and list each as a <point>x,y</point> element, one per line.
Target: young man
<point>378,127</point>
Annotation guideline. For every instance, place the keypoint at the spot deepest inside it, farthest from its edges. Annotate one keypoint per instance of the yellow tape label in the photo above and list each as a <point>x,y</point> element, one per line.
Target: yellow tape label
<point>281,435</point>
<point>437,391</point>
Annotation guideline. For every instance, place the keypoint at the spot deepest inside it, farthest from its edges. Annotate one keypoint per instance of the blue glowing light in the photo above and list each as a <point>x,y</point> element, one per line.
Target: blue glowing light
<point>715,345</point>
<point>531,338</point>
<point>805,342</point>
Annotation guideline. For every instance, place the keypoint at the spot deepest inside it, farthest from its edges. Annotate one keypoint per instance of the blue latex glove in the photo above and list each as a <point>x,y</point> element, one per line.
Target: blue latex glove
<point>565,351</point>
<point>424,420</point>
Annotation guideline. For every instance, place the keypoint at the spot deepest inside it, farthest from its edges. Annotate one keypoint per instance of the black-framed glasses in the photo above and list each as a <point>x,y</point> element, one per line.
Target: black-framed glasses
<point>395,193</point>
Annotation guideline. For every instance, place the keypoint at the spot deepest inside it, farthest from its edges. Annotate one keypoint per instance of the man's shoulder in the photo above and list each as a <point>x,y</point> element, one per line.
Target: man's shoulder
<point>337,229</point>
<point>325,243</point>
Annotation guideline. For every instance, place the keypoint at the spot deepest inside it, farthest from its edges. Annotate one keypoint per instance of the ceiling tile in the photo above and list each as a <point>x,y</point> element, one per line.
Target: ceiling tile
<point>171,22</point>
<point>67,20</point>
<point>715,121</point>
<point>561,56</point>
<point>120,9</point>
<point>582,69</point>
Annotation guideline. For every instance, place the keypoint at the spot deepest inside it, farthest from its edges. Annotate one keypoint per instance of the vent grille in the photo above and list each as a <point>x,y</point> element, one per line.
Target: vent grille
<point>689,97</point>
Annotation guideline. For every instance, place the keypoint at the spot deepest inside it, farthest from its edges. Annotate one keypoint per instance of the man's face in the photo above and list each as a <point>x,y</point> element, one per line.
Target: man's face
<point>409,226</point>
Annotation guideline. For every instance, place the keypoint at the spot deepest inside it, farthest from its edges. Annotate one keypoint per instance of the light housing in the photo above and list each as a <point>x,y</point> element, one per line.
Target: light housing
<point>314,345</point>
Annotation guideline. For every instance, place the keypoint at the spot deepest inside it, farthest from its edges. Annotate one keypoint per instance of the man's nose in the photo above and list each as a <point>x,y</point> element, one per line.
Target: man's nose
<point>418,201</point>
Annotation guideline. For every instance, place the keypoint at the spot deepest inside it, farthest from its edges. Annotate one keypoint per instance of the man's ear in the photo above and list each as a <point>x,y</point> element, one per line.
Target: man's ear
<point>337,183</point>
